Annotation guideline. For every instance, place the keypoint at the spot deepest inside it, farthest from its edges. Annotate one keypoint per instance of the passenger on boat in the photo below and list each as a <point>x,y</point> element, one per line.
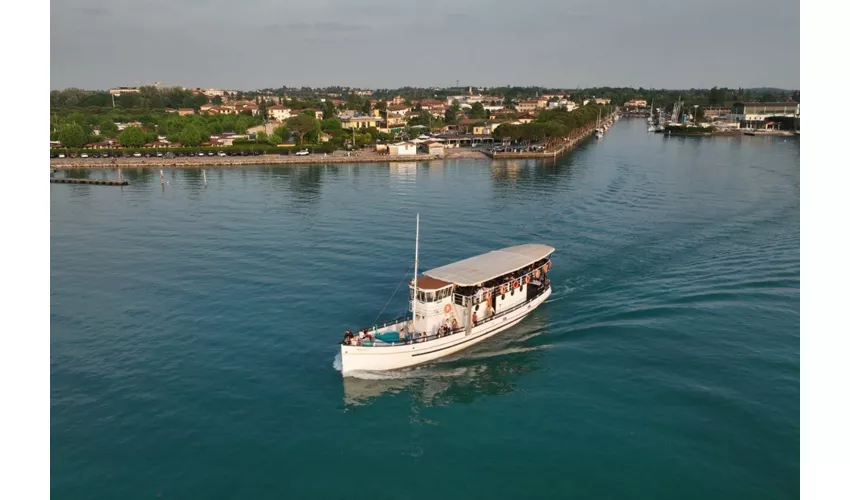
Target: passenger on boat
<point>364,334</point>
<point>479,295</point>
<point>454,324</point>
<point>348,337</point>
<point>474,318</point>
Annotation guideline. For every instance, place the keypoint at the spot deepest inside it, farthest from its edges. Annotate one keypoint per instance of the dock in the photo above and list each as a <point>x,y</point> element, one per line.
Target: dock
<point>100,182</point>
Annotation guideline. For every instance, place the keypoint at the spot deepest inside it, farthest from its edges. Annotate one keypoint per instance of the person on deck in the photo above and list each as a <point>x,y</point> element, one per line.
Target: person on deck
<point>348,337</point>
<point>474,318</point>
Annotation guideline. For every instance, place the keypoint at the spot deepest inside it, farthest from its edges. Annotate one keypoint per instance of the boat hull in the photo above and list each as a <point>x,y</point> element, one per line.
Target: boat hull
<point>393,357</point>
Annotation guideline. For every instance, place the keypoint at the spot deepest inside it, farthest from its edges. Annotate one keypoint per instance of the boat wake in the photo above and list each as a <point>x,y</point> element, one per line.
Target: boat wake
<point>500,352</point>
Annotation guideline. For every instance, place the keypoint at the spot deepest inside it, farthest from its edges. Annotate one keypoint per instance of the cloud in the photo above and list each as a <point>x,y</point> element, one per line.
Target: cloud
<point>317,28</point>
<point>92,11</point>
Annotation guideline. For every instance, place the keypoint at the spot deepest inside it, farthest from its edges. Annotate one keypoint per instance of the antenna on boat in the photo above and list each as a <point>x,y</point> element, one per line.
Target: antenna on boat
<point>415,274</point>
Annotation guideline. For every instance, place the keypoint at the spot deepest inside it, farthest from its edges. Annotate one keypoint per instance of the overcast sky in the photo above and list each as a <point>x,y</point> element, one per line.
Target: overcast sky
<point>249,44</point>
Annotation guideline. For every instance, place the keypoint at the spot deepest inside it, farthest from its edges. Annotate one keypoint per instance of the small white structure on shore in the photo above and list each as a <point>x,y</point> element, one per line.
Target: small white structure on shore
<point>435,148</point>
<point>403,148</point>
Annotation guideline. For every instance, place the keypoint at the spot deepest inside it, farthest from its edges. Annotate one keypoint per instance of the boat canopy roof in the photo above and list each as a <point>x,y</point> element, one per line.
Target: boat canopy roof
<point>428,283</point>
<point>484,267</point>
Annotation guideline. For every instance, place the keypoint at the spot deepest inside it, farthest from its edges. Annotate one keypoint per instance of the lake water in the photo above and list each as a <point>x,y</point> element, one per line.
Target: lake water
<point>194,329</point>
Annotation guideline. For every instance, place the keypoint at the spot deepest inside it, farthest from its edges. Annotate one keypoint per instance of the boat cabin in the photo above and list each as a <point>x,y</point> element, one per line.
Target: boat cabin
<point>461,295</point>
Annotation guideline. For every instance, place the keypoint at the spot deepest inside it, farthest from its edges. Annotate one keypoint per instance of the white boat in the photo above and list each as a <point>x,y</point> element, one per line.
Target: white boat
<point>599,131</point>
<point>454,307</point>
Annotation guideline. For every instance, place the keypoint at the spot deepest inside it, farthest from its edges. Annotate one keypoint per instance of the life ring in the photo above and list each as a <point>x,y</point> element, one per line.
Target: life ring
<point>448,308</point>
<point>515,284</point>
<point>527,279</point>
<point>503,289</point>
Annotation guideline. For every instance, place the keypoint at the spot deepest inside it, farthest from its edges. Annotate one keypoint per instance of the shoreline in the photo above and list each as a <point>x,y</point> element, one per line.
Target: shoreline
<point>240,161</point>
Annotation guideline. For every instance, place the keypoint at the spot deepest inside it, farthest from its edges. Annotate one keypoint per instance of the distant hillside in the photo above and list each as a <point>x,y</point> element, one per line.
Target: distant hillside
<point>763,90</point>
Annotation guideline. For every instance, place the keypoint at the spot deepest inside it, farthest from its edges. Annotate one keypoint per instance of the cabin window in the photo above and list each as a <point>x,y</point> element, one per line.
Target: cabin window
<point>512,293</point>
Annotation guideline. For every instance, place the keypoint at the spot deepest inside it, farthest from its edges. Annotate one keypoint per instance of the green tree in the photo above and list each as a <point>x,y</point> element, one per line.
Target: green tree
<point>331,124</point>
<point>241,125</point>
<point>132,137</point>
<point>478,111</point>
<point>190,135</point>
<point>301,125</point>
<point>274,139</point>
<point>716,97</point>
<point>367,107</point>
<point>262,136</point>
<point>281,132</point>
<point>329,109</point>
<point>451,115</point>
<point>217,100</point>
<point>72,136</point>
<point>108,128</point>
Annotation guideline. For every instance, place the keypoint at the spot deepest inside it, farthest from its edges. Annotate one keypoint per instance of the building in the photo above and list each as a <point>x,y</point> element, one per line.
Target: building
<point>213,92</point>
<point>279,113</point>
<point>712,113</point>
<point>636,103</point>
<point>123,90</point>
<point>358,122</point>
<point>434,148</point>
<point>108,144</point>
<point>527,105</point>
<point>753,114</point>
<point>185,111</point>
<point>403,149</point>
<point>395,120</point>
<point>401,109</point>
<point>563,103</point>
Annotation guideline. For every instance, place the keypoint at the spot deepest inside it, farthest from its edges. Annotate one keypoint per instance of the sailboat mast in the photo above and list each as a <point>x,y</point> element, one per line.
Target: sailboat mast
<point>415,273</point>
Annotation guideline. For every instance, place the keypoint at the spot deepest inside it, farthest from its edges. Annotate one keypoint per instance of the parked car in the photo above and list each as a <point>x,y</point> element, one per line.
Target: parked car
<point>222,153</point>
<point>61,155</point>
<point>303,152</point>
<point>200,153</point>
<point>159,154</point>
<point>137,155</point>
<point>84,155</point>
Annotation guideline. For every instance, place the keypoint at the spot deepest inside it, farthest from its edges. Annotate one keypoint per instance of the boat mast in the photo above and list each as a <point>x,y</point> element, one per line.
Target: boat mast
<point>415,273</point>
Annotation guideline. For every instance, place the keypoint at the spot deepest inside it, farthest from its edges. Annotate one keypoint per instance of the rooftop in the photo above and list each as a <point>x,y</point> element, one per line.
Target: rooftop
<point>484,267</point>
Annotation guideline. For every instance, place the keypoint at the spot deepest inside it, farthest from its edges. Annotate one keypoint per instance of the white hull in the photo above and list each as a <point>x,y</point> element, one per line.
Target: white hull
<point>385,357</point>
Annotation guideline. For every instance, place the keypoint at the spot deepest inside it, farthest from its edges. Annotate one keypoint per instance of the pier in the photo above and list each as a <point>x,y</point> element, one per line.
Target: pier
<point>567,144</point>
<point>100,182</point>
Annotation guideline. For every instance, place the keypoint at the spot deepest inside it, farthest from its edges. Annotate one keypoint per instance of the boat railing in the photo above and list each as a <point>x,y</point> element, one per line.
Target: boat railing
<point>481,294</point>
<point>514,308</point>
<point>389,323</point>
<point>452,331</point>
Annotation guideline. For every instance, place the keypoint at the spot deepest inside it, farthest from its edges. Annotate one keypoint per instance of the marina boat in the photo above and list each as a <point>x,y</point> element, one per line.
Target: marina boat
<point>599,131</point>
<point>454,307</point>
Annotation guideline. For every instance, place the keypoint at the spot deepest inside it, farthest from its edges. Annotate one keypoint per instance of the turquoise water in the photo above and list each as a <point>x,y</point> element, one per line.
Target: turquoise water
<point>194,329</point>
